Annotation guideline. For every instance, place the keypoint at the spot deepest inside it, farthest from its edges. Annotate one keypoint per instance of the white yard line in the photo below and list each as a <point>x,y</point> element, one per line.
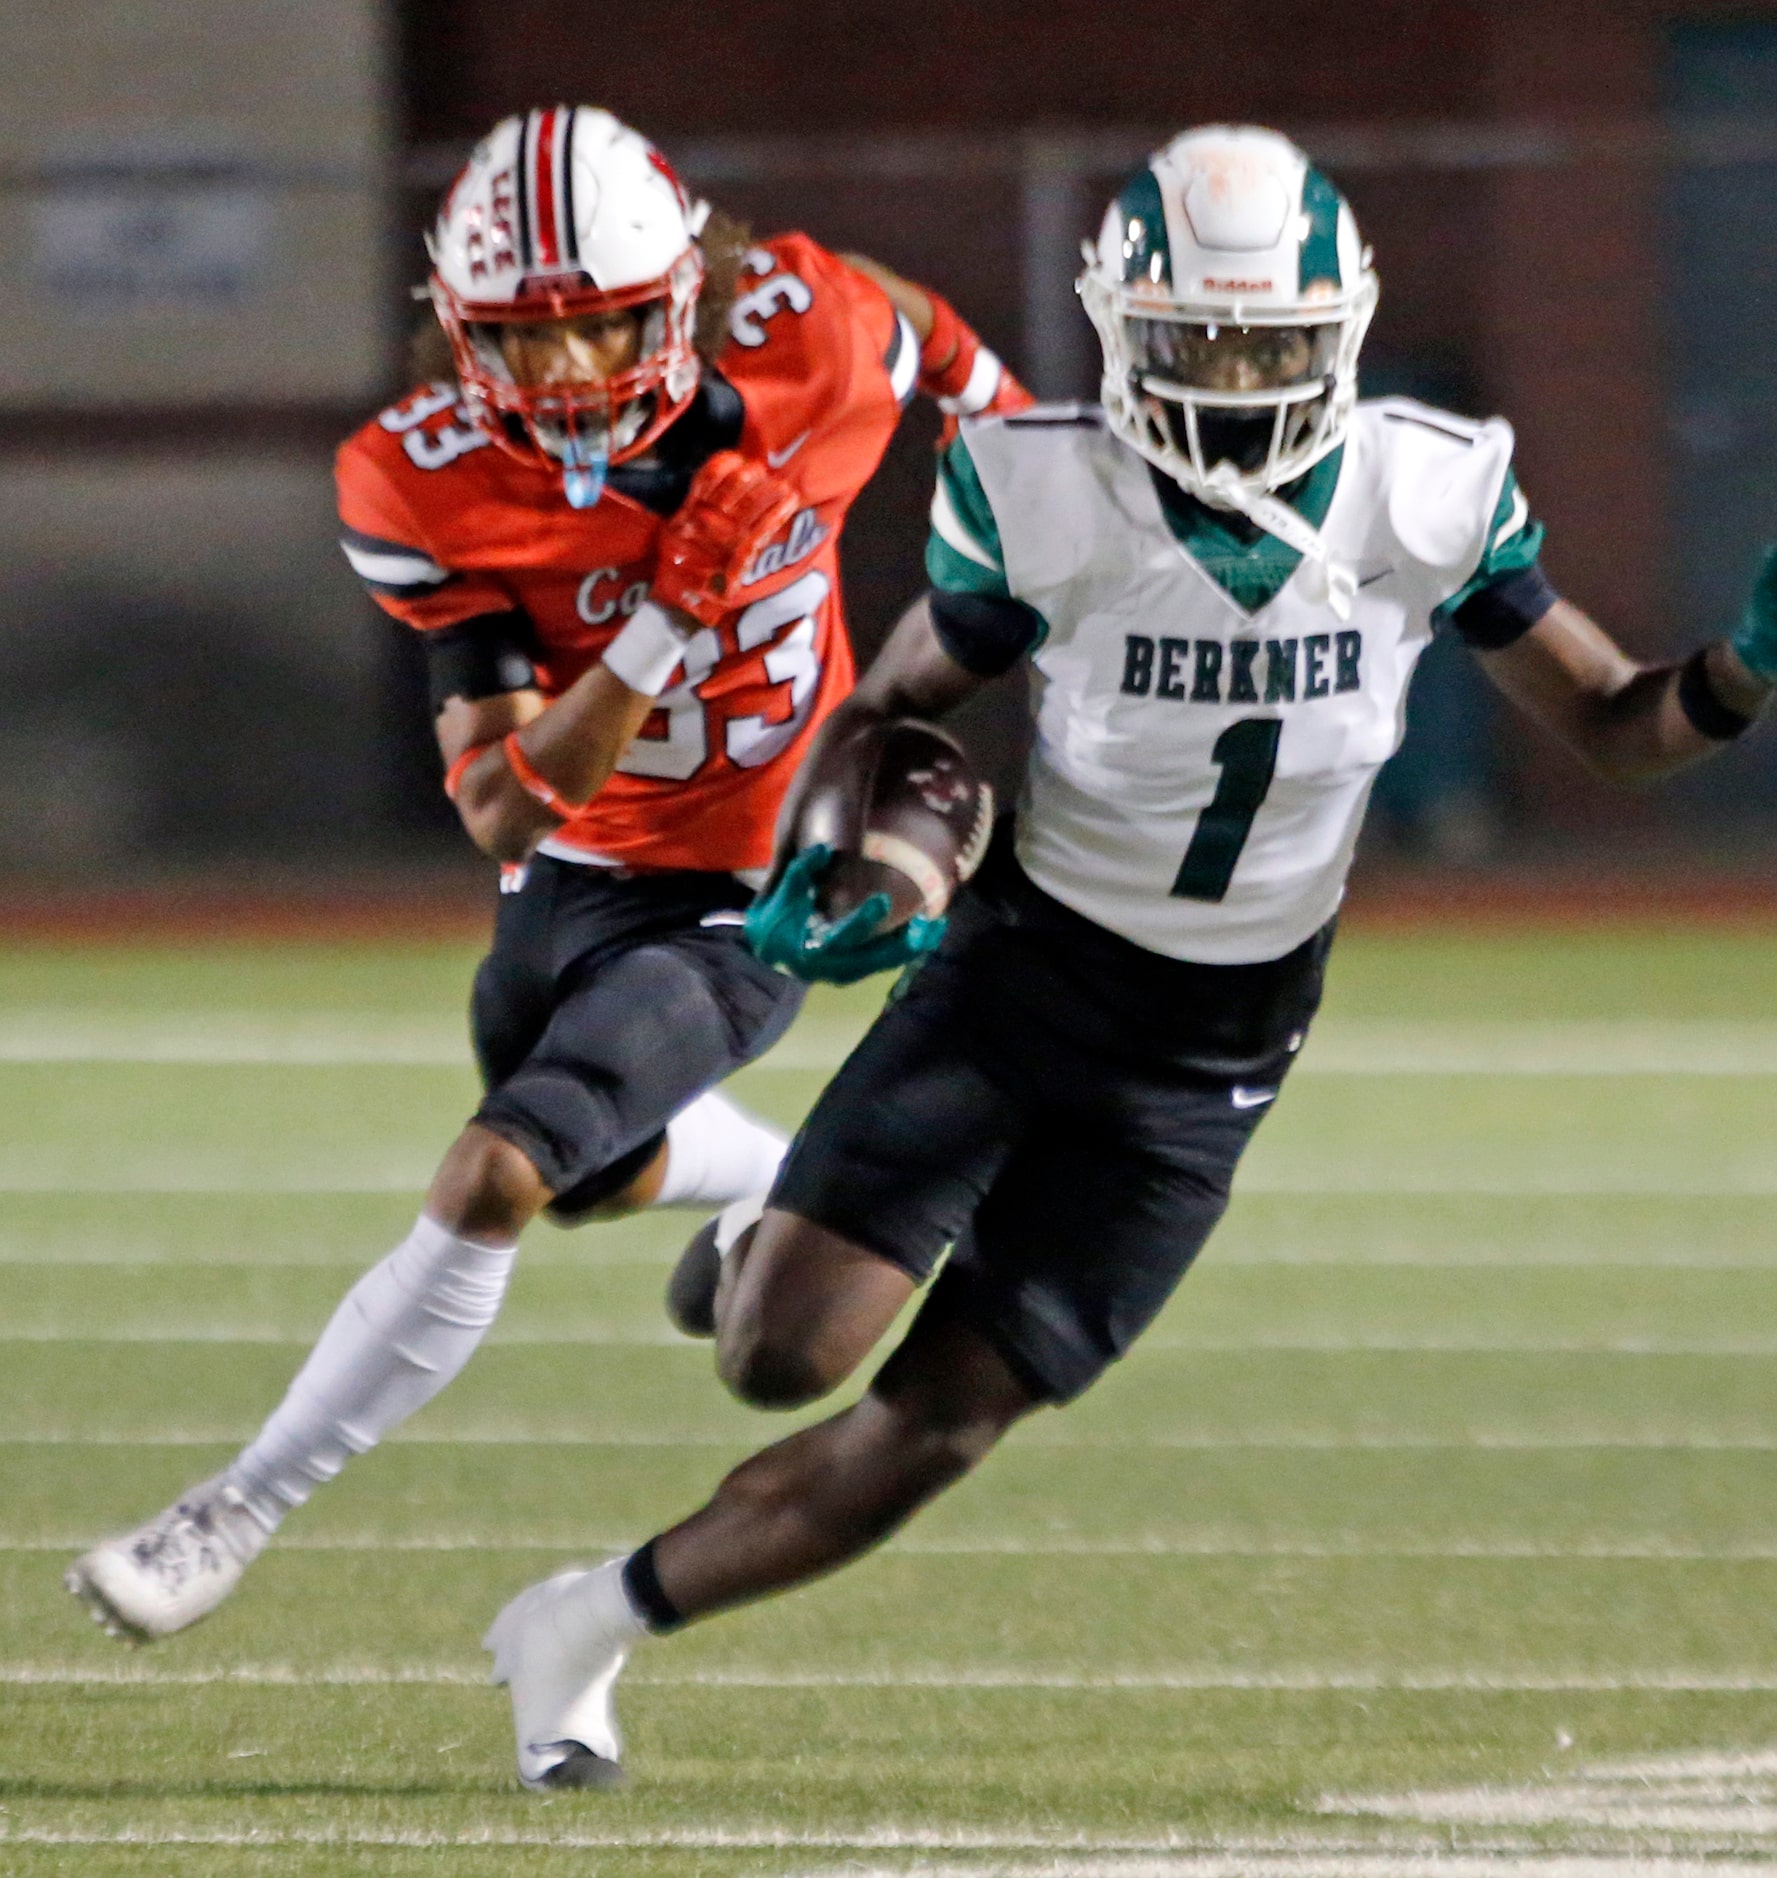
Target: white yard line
<point>1207,1678</point>
<point>73,1034</point>
<point>1177,1545</point>
<point>1737,1182</point>
<point>1708,1795</point>
<point>1238,1864</point>
<point>662,1337</point>
<point>44,1175</point>
<point>1287,1441</point>
<point>1079,1855</point>
<point>1585,1047</point>
<point>1231,1861</point>
<point>589,1259</point>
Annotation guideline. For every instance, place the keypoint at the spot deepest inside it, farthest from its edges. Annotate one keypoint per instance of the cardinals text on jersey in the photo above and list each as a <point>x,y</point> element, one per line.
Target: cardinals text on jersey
<point>445,530</point>
<point>1208,724</point>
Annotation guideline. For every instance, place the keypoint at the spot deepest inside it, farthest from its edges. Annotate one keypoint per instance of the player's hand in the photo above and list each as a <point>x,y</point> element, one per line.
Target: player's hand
<point>731,512</point>
<point>1755,641</point>
<point>786,929</point>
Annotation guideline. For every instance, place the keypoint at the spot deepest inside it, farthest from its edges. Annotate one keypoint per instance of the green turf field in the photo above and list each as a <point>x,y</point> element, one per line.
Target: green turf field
<point>1434,1528</point>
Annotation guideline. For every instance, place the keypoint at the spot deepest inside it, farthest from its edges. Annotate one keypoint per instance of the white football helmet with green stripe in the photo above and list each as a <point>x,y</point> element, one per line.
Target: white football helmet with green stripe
<point>1231,294</point>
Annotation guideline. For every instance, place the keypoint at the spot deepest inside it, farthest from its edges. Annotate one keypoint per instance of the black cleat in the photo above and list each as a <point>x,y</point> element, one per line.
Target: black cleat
<point>582,1770</point>
<point>691,1290</point>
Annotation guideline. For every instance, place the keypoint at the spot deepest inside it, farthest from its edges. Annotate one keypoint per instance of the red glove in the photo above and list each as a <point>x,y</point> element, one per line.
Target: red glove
<point>733,509</point>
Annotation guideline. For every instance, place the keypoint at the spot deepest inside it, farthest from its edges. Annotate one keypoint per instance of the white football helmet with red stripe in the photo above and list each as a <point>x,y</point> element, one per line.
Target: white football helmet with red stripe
<point>559,214</point>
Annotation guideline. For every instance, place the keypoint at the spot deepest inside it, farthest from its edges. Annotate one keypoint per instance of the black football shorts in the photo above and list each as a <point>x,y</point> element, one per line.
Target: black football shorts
<point>1065,1106</point>
<point>608,1002</point>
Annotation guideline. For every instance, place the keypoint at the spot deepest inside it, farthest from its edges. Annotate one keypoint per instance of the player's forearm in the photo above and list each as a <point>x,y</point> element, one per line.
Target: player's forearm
<point>1627,721</point>
<point>1665,718</point>
<point>955,368</point>
<point>1661,721</point>
<point>520,787</point>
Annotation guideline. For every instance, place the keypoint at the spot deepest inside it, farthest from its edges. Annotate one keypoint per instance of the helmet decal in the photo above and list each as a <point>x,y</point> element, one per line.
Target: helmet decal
<point>1320,244</point>
<point>1147,254</point>
<point>1236,206</point>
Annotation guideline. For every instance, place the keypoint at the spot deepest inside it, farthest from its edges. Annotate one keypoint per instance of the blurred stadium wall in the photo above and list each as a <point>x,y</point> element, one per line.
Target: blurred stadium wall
<point>216,214</point>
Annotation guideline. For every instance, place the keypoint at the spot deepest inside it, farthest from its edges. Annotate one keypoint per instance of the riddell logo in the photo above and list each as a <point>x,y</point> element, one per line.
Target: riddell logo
<point>806,534</point>
<point>1237,286</point>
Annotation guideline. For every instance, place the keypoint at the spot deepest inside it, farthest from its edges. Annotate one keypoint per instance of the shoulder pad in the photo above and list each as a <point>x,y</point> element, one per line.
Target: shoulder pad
<point>1442,475</point>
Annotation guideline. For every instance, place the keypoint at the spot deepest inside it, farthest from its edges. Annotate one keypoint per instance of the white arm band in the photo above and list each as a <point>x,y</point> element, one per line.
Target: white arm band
<point>646,653</point>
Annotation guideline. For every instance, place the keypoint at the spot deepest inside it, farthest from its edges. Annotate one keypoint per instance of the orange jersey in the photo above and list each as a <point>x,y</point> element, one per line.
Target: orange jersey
<point>445,527</point>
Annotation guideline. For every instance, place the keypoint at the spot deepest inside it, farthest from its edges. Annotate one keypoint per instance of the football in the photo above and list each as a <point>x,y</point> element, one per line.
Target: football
<point>923,826</point>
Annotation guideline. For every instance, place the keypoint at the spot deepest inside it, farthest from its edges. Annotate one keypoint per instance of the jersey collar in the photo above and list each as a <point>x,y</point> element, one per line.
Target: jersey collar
<point>1248,564</point>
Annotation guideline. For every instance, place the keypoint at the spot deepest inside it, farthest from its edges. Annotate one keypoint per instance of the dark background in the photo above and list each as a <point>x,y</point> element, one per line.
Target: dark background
<point>1574,212</point>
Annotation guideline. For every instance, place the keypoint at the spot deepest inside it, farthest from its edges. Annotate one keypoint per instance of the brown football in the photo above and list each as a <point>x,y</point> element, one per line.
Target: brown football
<point>926,822</point>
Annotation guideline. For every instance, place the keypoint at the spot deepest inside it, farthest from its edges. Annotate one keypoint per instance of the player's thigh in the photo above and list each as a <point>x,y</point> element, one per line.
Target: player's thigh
<point>631,1039</point>
<point>515,987</point>
<point>909,1136</point>
<point>1089,1230</point>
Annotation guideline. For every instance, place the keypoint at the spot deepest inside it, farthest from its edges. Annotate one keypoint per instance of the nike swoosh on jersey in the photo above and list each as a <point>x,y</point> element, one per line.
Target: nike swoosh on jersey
<point>1244,1098</point>
<point>778,458</point>
<point>1369,580</point>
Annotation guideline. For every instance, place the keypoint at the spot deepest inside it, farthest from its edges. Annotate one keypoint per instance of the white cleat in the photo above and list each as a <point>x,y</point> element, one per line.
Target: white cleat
<point>169,1573</point>
<point>558,1648</point>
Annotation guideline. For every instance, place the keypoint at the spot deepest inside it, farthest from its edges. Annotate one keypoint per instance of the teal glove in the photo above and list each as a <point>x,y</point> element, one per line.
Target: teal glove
<point>1755,641</point>
<point>785,930</point>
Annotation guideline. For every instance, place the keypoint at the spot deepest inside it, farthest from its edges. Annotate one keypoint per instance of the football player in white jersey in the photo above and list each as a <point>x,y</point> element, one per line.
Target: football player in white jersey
<point>1220,579</point>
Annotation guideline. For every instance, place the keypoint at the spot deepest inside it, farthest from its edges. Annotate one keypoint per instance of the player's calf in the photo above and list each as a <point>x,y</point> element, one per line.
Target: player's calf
<point>800,1508</point>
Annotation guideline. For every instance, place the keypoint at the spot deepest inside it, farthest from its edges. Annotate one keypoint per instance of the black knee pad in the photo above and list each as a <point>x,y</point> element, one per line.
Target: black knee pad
<point>557,1116</point>
<point>587,1196</point>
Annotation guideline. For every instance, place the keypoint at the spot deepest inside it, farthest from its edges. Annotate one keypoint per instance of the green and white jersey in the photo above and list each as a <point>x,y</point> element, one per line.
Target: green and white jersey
<point>1207,727</point>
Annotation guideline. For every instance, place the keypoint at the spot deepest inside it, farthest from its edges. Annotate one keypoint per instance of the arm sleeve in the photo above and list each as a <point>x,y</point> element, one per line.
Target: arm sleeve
<point>1508,592</point>
<point>1504,610</point>
<point>984,634</point>
<point>965,377</point>
<point>482,657</point>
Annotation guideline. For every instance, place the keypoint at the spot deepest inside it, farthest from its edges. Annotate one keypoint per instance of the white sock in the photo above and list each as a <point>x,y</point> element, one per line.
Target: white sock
<point>400,1334</point>
<point>735,1218</point>
<point>599,1606</point>
<point>717,1152</point>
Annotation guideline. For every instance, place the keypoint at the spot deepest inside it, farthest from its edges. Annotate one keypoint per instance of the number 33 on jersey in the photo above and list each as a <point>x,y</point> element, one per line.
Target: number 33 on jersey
<point>453,535</point>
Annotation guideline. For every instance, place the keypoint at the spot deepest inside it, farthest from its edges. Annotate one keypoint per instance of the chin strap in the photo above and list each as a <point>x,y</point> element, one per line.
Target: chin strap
<point>1336,583</point>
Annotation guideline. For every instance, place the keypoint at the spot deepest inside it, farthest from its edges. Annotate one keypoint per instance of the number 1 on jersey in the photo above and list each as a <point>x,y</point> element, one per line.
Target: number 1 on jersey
<point>1247,755</point>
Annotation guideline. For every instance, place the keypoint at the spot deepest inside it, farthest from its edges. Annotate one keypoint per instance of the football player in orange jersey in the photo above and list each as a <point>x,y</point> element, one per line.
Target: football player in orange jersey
<point>617,527</point>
